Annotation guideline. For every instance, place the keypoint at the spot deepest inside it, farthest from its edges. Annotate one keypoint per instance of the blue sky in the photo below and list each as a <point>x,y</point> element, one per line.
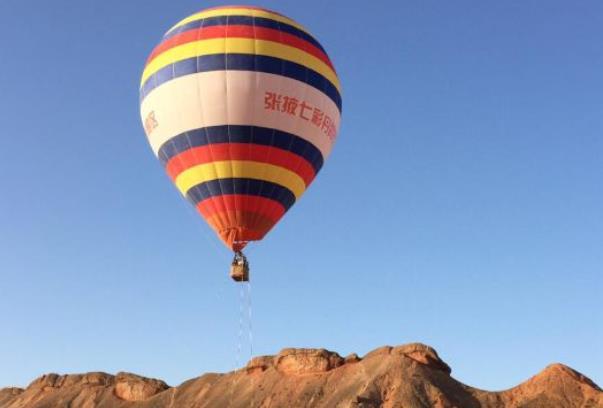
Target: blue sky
<point>462,206</point>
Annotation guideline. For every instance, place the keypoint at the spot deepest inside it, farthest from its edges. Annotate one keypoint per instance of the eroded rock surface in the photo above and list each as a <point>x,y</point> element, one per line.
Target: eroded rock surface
<point>410,376</point>
<point>82,390</point>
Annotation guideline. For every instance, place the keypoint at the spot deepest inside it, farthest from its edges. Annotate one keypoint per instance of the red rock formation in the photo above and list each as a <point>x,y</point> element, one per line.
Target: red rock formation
<point>407,376</point>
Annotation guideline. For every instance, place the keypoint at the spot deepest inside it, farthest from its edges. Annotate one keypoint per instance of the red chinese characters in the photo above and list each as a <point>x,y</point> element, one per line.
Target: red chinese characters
<point>272,101</point>
<point>294,107</point>
<point>150,122</point>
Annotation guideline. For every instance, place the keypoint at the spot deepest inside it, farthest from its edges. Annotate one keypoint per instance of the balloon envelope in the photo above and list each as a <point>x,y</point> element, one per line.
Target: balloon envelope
<point>242,107</point>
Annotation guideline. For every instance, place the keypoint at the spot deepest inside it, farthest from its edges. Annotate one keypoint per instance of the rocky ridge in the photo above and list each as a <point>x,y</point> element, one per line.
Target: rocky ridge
<point>410,376</point>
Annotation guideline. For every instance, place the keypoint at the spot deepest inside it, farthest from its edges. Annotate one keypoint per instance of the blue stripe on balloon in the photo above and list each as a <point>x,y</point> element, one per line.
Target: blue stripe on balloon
<point>242,62</point>
<point>246,186</point>
<point>241,134</point>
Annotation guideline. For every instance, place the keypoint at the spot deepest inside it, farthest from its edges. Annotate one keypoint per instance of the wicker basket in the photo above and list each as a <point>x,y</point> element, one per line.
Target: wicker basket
<point>239,272</point>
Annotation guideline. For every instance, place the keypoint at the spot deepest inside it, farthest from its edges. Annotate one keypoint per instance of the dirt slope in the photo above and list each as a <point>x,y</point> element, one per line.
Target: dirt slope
<point>406,376</point>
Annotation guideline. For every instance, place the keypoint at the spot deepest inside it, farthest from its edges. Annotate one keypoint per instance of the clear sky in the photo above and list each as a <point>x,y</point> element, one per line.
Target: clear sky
<point>461,207</point>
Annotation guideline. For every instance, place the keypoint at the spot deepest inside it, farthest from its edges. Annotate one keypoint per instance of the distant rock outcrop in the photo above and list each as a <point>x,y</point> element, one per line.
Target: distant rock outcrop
<point>409,376</point>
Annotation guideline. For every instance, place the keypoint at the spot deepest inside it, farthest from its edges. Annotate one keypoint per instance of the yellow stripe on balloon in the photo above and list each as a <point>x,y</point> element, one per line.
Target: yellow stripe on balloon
<point>239,46</point>
<point>240,169</point>
<point>239,12</point>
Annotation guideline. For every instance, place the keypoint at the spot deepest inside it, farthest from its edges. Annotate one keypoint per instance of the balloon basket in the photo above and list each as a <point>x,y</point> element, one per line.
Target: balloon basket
<point>239,268</point>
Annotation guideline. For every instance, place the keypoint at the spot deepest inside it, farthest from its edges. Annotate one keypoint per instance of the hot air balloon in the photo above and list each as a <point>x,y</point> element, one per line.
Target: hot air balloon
<point>242,106</point>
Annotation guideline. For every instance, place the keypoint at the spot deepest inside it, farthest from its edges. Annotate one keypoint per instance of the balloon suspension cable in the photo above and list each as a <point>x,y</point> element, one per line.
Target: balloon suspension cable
<point>250,338</point>
<point>250,320</point>
<point>244,303</point>
<point>235,378</point>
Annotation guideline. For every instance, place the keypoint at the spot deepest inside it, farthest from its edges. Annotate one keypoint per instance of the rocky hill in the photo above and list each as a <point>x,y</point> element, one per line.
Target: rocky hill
<point>406,376</point>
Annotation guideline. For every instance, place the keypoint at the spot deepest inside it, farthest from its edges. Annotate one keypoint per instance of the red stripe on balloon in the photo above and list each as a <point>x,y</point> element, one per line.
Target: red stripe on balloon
<point>264,207</point>
<point>240,31</point>
<point>249,214</point>
<point>242,233</point>
<point>245,220</point>
<point>240,151</point>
